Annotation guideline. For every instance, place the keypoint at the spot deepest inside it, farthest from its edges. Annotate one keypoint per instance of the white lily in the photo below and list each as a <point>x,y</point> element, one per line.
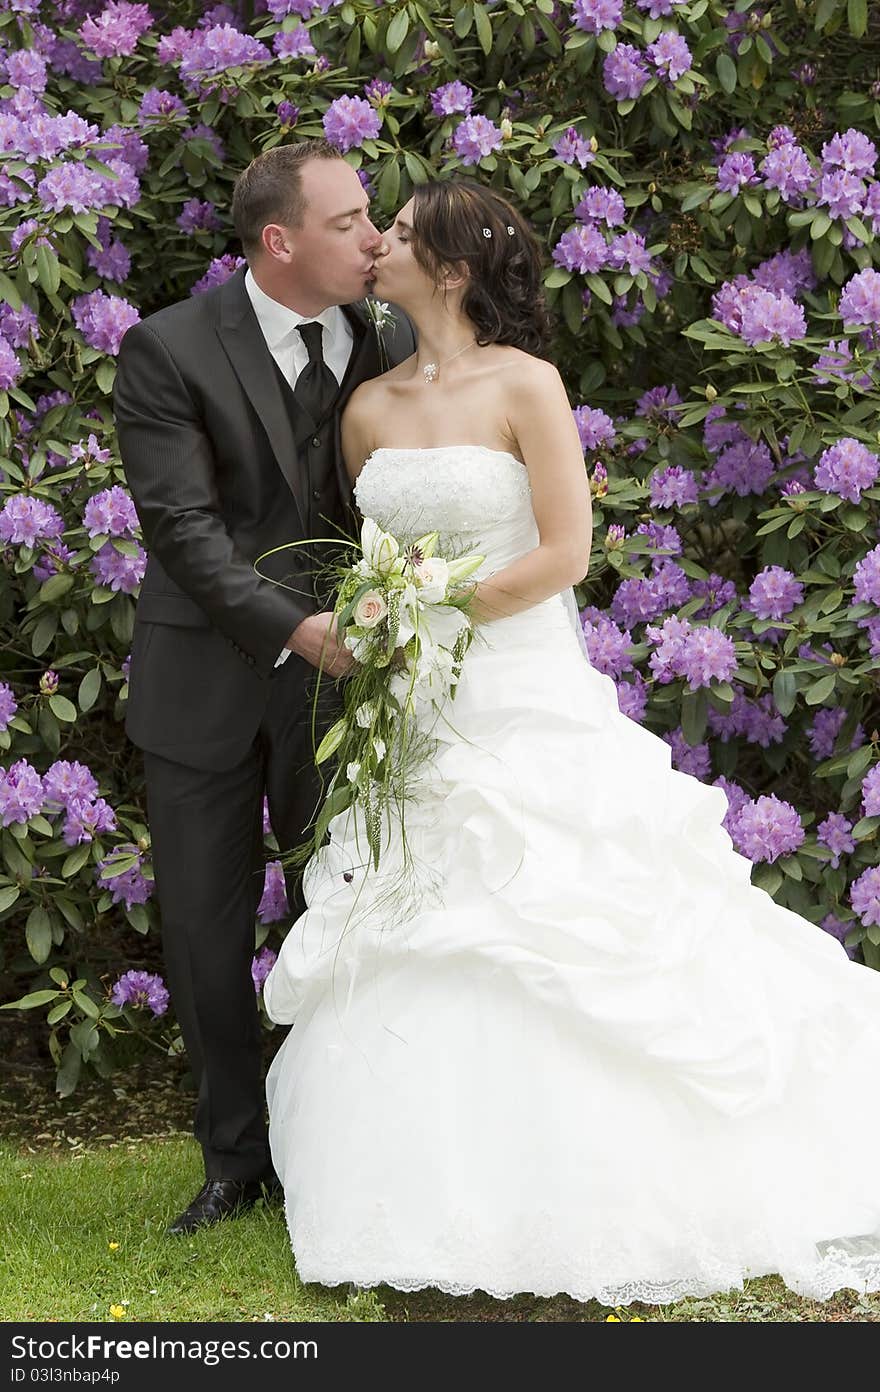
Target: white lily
<point>380,548</point>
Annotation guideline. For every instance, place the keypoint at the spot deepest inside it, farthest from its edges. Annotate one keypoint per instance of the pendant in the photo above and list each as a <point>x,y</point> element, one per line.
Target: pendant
<point>430,371</point>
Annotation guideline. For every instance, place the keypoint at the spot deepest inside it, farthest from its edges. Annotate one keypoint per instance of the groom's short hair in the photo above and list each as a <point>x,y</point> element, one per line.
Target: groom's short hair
<point>270,190</point>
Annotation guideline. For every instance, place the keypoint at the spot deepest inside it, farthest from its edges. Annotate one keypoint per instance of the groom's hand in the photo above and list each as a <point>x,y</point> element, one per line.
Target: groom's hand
<point>317,640</point>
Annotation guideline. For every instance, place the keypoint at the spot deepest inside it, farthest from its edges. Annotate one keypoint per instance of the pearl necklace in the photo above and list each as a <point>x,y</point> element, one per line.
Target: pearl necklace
<point>432,369</point>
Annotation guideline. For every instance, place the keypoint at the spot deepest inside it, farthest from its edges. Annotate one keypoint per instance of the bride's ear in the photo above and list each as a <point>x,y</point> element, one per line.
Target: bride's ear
<point>456,276</point>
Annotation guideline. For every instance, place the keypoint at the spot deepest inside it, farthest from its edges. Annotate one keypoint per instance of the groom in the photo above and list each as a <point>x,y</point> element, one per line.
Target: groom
<point>227,410</point>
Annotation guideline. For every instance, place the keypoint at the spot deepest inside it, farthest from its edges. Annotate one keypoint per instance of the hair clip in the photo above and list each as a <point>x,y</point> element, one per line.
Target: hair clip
<point>510,231</point>
<point>487,231</point>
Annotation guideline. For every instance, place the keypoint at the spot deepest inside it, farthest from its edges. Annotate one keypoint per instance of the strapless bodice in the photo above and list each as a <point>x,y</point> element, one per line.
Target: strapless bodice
<point>477,498</point>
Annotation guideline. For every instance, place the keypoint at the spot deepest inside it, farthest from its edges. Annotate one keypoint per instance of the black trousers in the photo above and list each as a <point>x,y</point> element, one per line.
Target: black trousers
<point>208,860</point>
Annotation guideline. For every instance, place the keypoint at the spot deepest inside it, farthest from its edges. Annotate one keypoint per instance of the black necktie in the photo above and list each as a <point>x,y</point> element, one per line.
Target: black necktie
<point>316,387</point>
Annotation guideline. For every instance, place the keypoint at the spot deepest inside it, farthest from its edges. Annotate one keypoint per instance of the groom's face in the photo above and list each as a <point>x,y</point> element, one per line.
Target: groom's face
<point>333,251</point>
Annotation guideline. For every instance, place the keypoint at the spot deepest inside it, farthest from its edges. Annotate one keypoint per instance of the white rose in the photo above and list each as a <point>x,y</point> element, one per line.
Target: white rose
<point>379,750</point>
<point>432,577</point>
<point>364,714</point>
<point>352,771</point>
<point>370,609</point>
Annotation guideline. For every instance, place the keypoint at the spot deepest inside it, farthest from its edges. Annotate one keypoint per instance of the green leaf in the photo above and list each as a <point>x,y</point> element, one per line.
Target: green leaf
<point>331,741</point>
<point>859,761</point>
<point>8,896</point>
<point>89,689</point>
<point>857,17</point>
<point>86,1004</point>
<point>865,828</point>
<point>75,861</point>
<point>557,277</point>
<point>58,1012</point>
<point>32,1001</point>
<point>38,933</point>
<point>62,709</point>
<point>767,877</point>
<point>48,273</point>
<point>820,690</point>
<point>784,692</point>
<point>45,631</point>
<point>55,587</point>
<point>389,184</point>
<point>725,69</point>
<point>820,225</point>
<point>105,376</point>
<point>397,31</point>
<point>484,28</point>
<point>68,1073</point>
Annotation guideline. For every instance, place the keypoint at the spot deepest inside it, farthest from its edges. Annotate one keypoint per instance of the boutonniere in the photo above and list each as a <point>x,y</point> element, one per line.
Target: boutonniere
<point>381,318</point>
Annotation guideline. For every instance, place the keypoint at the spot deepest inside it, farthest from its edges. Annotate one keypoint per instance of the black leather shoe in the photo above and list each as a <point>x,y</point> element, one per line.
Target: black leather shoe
<point>220,1198</point>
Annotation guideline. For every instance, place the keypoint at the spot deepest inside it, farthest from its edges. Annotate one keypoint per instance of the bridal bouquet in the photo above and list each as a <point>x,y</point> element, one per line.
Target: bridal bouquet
<point>402,612</point>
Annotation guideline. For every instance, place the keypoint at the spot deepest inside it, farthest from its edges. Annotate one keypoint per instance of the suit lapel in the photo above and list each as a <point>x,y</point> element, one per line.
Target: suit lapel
<point>244,344</point>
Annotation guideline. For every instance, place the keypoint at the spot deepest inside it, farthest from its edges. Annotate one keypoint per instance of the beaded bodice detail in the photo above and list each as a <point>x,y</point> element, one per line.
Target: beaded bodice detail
<point>473,495</point>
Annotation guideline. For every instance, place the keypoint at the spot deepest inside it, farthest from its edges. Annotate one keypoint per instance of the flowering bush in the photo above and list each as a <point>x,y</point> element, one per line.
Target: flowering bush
<point>702,173</point>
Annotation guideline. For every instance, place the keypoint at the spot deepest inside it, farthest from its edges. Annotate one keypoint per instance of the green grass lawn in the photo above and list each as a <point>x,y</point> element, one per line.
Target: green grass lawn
<point>63,1210</point>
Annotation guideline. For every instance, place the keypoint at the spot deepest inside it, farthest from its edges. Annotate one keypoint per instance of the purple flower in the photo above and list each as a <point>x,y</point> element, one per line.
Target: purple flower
<point>737,799</point>
<point>594,427</point>
<point>273,904</point>
<point>736,172</point>
<point>693,759</point>
<point>670,55</point>
<point>72,186</point>
<point>846,468</point>
<point>140,988</point>
<point>824,730</point>
<point>864,895</point>
<point>296,44</point>
<point>607,646</point>
<point>378,91</point>
<point>21,793</point>
<point>788,271</point>
<point>203,132</point>
<point>625,72</point>
<point>116,30</point>
<point>708,654</point>
<point>24,520</point>
<point>261,966</point>
<point>287,113</point>
<point>572,148</point>
<point>657,8</point>
<point>51,560</point>
<point>212,51</point>
<point>743,468</point>
<point>628,249</point>
<point>581,248</point>
<point>116,571</point>
<point>632,697</point>
<point>128,886</point>
<point>766,317</point>
<point>103,320</point>
<point>112,261</point>
<point>788,169</point>
<point>26,68</point>
<point>65,782</point>
<point>871,792</point>
<point>834,833</point>
<point>852,151</point>
<point>159,105</point>
<point>91,451</point>
<point>601,205</point>
<point>218,272</point>
<point>451,98</point>
<point>198,216</point>
<point>594,16</point>
<point>831,365</point>
<point>8,705</point>
<point>661,538</point>
<point>474,138</point>
<point>349,121</point>
<point>716,592</point>
<point>767,828</point>
<point>843,194</point>
<point>672,487</point>
<point>24,230</point>
<point>87,818</point>
<point>10,366</point>
<point>111,513</point>
<point>860,301</point>
<point>774,592</point>
<point>866,576</point>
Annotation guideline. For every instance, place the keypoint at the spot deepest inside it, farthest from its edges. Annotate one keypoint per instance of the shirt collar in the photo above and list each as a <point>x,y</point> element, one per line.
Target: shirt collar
<point>278,322</point>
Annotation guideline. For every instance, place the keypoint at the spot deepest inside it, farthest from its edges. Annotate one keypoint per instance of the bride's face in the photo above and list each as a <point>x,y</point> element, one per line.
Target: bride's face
<point>399,277</point>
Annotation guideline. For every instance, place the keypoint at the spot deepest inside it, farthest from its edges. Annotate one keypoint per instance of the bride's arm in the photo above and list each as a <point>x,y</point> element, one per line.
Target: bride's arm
<point>541,421</point>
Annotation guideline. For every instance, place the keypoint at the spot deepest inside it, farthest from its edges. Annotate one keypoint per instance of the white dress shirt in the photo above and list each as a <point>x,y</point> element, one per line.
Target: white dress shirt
<point>287,345</point>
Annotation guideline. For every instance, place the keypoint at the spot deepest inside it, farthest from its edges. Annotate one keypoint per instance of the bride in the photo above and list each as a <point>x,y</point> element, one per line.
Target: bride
<point>591,1057</point>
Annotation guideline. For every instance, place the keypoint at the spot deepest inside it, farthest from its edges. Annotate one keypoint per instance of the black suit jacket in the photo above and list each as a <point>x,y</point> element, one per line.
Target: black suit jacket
<point>210,455</point>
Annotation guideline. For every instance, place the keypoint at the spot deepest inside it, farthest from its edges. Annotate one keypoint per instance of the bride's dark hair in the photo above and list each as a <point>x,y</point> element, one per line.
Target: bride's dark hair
<point>504,296</point>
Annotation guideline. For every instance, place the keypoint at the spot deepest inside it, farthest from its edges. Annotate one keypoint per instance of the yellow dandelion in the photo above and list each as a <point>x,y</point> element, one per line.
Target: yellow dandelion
<point>612,1319</point>
<point>114,1246</point>
<point>117,1311</point>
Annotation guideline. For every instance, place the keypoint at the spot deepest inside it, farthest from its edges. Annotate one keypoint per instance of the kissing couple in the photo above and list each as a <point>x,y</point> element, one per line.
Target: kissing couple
<point>593,1056</point>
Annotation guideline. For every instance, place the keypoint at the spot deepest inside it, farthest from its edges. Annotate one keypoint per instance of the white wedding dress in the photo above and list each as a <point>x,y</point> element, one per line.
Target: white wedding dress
<point>590,1057</point>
